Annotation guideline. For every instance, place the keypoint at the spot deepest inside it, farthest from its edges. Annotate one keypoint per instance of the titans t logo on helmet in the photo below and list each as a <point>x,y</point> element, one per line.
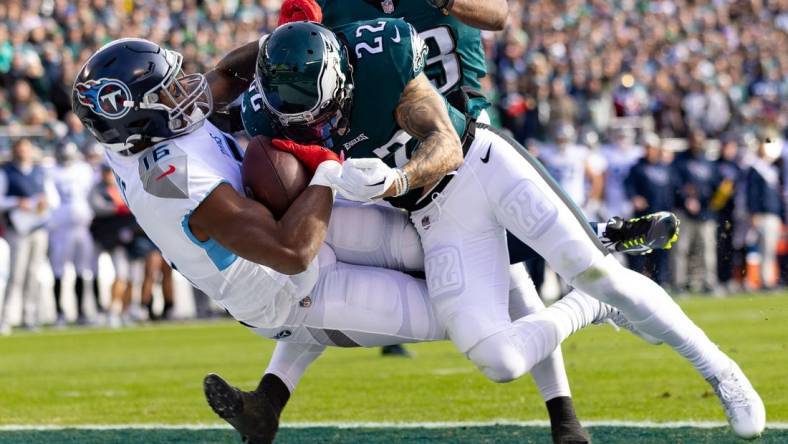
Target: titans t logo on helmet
<point>106,97</point>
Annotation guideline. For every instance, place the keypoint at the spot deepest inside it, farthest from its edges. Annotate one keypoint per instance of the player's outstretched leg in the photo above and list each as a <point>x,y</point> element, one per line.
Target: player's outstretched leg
<point>534,209</point>
<point>255,415</point>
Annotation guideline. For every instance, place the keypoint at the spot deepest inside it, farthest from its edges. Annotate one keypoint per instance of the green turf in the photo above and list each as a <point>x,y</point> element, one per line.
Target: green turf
<point>153,375</point>
<point>475,435</point>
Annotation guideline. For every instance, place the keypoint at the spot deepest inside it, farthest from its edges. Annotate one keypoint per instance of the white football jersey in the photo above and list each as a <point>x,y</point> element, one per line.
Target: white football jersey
<point>568,168</point>
<point>619,162</point>
<point>163,185</point>
<point>73,182</point>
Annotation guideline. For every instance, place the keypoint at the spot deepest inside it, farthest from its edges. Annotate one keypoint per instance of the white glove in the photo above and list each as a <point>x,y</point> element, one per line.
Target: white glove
<point>326,172</point>
<point>365,180</point>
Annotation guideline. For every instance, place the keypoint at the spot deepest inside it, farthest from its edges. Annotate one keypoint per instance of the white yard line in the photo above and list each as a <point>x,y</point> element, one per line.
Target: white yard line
<point>390,425</point>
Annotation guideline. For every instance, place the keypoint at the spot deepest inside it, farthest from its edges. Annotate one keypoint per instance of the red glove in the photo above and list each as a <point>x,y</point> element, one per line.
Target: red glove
<point>297,10</point>
<point>310,155</point>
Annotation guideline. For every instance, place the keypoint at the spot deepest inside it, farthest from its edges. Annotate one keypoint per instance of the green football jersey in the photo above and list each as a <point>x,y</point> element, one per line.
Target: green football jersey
<point>385,54</point>
<point>456,55</point>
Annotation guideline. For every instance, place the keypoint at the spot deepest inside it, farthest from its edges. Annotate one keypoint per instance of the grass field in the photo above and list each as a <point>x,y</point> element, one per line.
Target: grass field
<point>152,375</point>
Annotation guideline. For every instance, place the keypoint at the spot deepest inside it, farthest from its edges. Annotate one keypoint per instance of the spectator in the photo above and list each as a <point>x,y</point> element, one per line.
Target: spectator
<point>696,180</point>
<point>69,234</point>
<point>155,267</point>
<point>764,200</point>
<point>26,194</point>
<point>724,202</point>
<point>113,230</point>
<point>5,263</point>
<point>649,188</point>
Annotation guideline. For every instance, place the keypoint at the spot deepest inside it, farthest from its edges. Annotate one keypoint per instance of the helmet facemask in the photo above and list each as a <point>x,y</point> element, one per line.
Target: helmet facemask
<point>187,99</point>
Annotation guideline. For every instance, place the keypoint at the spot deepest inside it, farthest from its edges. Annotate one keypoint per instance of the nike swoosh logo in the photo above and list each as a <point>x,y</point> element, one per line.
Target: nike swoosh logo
<point>167,173</point>
<point>379,183</point>
<point>397,38</point>
<point>486,157</point>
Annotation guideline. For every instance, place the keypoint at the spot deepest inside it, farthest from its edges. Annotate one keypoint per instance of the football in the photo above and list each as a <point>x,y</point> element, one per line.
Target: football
<point>272,177</point>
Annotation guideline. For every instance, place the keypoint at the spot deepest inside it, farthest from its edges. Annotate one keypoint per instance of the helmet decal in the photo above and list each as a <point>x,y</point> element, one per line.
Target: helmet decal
<point>106,97</point>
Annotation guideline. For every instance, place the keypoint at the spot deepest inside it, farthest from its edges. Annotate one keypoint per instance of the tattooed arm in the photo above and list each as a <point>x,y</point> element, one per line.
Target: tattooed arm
<point>422,113</point>
<point>488,14</point>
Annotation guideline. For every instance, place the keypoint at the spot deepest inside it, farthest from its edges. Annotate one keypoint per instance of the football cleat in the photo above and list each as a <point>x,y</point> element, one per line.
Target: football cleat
<point>570,433</point>
<point>250,413</point>
<point>642,235</point>
<point>743,407</point>
<point>395,350</point>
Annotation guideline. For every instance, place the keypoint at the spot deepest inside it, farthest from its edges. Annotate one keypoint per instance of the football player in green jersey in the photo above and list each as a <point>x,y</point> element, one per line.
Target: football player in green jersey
<point>382,136</point>
<point>455,58</point>
<point>464,184</point>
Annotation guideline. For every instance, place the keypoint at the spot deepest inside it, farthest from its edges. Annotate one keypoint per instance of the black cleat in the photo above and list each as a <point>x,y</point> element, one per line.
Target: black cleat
<point>570,433</point>
<point>250,413</point>
<point>396,350</point>
<point>642,235</point>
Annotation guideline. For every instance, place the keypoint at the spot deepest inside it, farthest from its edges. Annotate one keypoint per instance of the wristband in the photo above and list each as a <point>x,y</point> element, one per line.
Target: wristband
<point>401,183</point>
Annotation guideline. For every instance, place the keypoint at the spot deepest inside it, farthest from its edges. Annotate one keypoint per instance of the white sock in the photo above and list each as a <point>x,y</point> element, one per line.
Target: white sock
<point>290,360</point>
<point>549,374</point>
<point>544,331</point>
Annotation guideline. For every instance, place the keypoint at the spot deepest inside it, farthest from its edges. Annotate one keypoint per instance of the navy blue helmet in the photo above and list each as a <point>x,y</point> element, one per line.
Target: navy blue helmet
<point>132,94</point>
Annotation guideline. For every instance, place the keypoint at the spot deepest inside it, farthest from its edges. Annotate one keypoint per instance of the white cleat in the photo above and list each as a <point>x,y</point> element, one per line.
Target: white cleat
<point>743,407</point>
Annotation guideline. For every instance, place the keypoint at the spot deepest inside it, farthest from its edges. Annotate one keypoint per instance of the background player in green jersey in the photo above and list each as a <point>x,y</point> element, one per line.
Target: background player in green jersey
<point>450,29</point>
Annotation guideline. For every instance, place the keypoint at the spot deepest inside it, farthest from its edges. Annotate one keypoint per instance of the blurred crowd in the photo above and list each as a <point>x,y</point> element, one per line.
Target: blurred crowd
<point>634,106</point>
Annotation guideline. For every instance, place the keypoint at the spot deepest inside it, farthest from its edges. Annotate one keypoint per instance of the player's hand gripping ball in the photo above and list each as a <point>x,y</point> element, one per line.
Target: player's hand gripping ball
<point>272,177</point>
<point>276,171</point>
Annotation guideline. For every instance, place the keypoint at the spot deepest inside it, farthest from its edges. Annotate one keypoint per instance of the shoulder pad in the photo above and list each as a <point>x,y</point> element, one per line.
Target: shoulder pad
<point>164,172</point>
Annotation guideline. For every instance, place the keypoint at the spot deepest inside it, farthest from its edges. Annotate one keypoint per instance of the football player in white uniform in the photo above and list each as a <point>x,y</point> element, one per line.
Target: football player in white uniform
<point>69,227</point>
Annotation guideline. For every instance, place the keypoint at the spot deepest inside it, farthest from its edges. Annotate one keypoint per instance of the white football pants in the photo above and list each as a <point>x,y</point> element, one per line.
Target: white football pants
<point>381,236</point>
<point>359,306</point>
<point>71,244</point>
<point>501,187</point>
